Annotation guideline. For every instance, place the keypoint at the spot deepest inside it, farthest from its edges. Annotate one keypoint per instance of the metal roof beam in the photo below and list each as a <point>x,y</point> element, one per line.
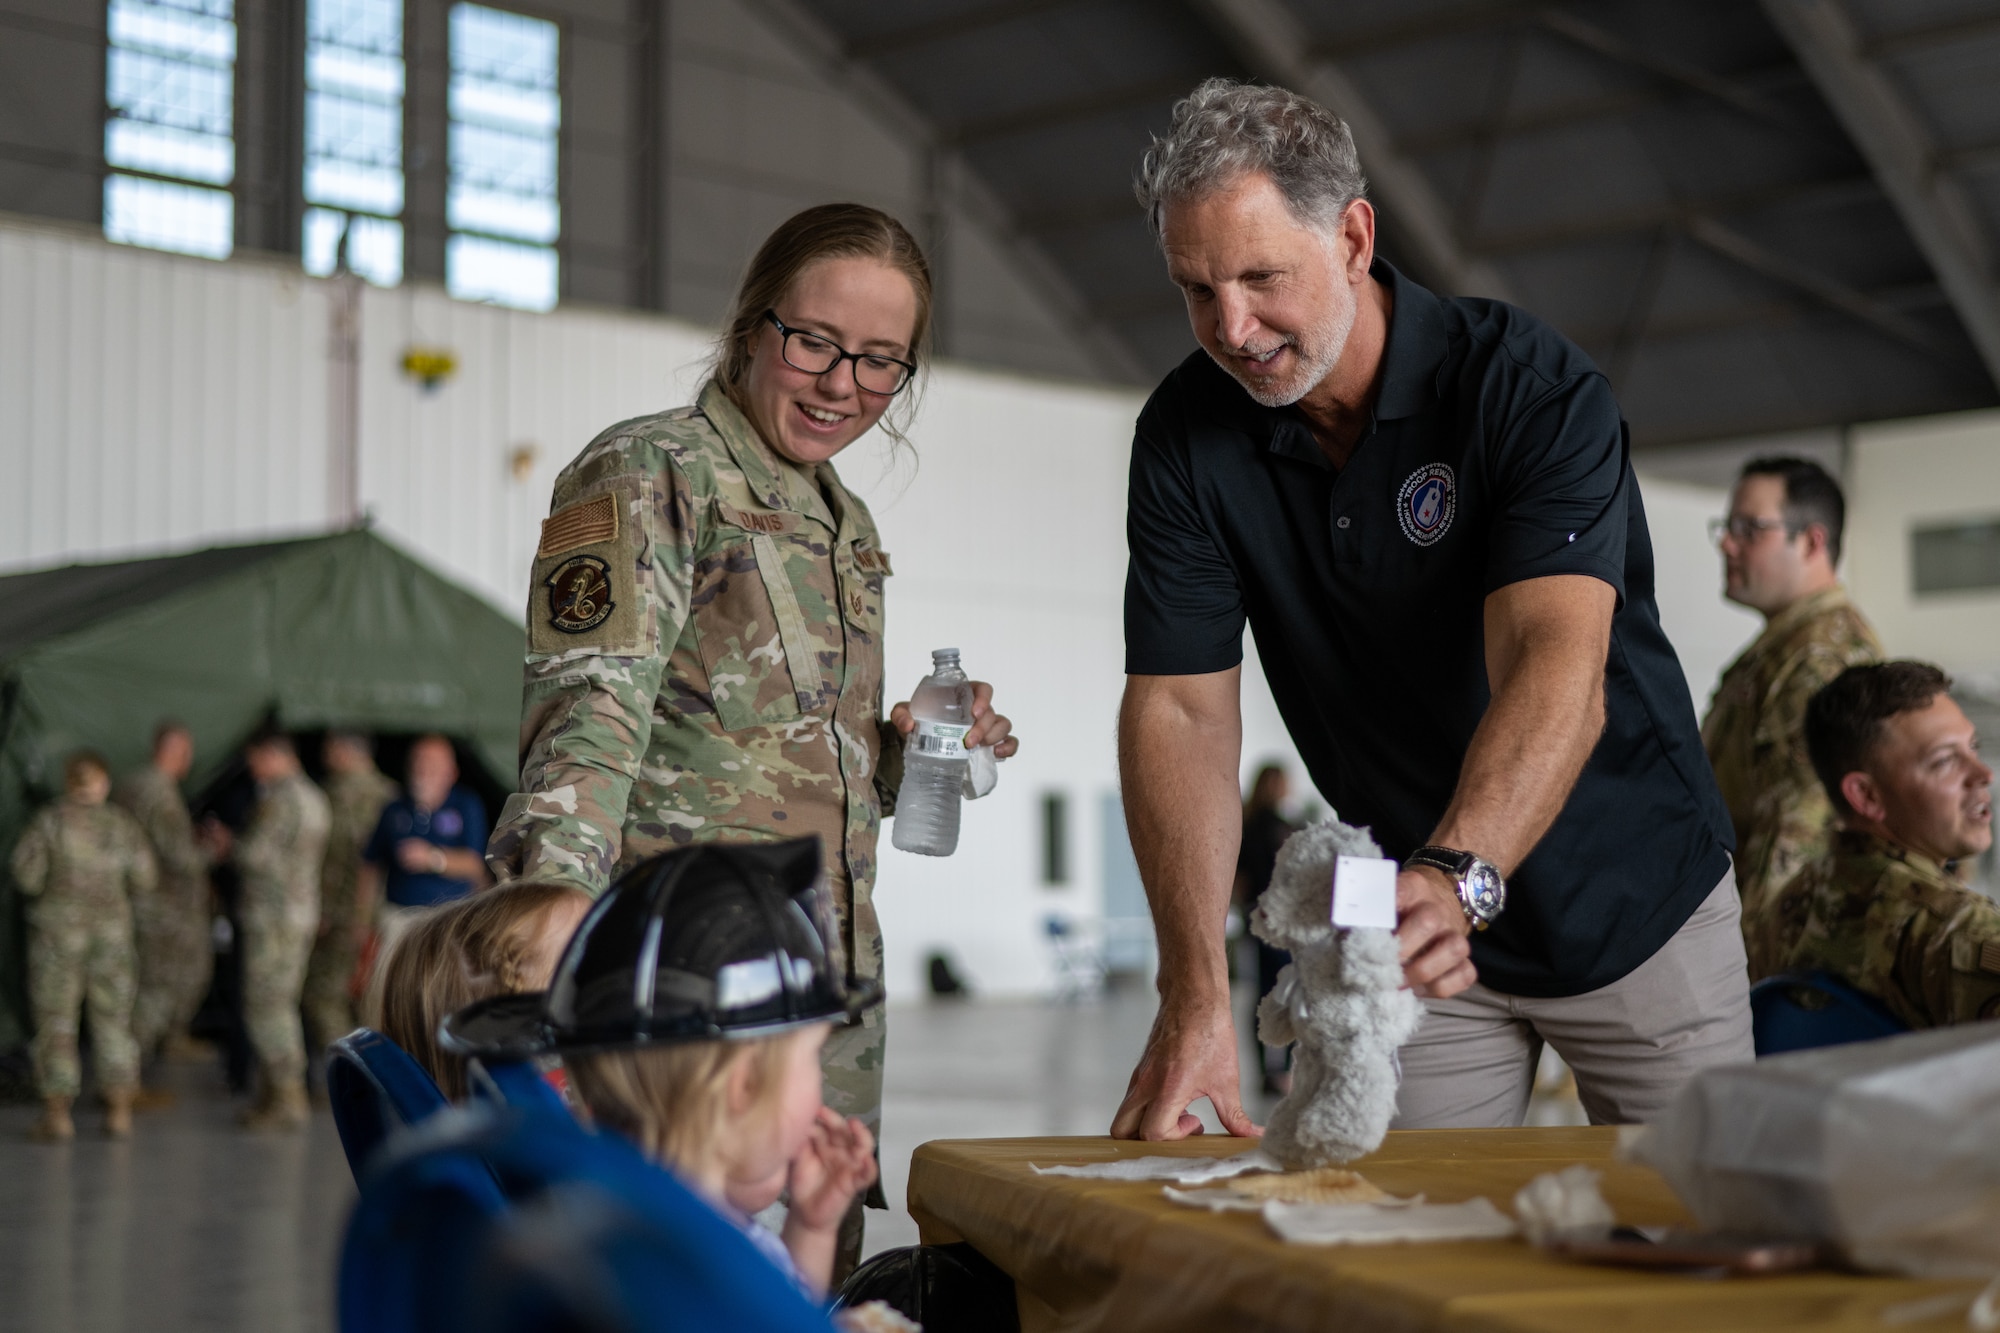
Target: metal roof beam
<point>974,198</point>
<point>1828,291</point>
<point>1271,40</point>
<point>1069,110</point>
<point>1431,26</point>
<point>1582,111</point>
<point>1603,42</point>
<point>1841,192</point>
<point>910,36</point>
<point>1901,152</point>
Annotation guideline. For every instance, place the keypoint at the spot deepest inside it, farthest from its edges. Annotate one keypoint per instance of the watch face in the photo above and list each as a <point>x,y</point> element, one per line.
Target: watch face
<point>1486,890</point>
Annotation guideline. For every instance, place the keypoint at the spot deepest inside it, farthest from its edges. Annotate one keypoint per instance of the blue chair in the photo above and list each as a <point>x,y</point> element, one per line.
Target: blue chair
<point>375,1088</point>
<point>583,1233</point>
<point>1803,1010</point>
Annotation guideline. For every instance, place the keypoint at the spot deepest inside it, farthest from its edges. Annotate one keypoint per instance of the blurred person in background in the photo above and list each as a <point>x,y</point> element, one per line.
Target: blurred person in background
<point>427,846</point>
<point>356,793</point>
<point>81,865</point>
<point>1780,548</point>
<point>278,859</point>
<point>705,614</point>
<point>174,925</point>
<point>1265,829</point>
<point>1888,910</point>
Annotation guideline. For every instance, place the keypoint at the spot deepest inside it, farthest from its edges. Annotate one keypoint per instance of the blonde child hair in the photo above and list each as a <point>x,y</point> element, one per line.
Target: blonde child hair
<point>670,1100</point>
<point>488,943</point>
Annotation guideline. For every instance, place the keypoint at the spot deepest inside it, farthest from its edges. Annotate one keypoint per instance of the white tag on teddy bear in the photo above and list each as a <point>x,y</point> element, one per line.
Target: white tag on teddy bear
<point>1364,892</point>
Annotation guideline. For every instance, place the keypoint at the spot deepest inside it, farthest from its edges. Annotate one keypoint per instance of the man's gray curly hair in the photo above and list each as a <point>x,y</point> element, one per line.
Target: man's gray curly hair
<point>1224,129</point>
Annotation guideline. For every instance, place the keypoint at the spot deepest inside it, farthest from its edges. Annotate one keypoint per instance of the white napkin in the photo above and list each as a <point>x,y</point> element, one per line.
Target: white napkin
<point>982,772</point>
<point>1185,1170</point>
<point>1225,1200</point>
<point>1373,1224</point>
<point>1563,1203</point>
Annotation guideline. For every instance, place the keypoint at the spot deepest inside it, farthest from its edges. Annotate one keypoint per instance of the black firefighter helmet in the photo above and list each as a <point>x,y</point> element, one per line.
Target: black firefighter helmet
<point>705,943</point>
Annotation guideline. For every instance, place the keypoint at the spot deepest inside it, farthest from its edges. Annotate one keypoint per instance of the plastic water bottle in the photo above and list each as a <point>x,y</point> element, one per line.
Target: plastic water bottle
<point>934,760</point>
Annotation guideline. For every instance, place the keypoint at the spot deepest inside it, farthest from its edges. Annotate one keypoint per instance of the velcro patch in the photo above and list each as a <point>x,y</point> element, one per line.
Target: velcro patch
<point>872,560</point>
<point>585,593</point>
<point>1989,956</point>
<point>585,523</point>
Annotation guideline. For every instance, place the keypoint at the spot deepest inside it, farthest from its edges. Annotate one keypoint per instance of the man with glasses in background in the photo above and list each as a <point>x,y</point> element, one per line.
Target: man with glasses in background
<point>1780,548</point>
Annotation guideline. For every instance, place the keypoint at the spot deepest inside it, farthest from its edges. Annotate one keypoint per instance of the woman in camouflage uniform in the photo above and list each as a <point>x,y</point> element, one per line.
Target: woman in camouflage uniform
<point>81,864</point>
<point>705,614</point>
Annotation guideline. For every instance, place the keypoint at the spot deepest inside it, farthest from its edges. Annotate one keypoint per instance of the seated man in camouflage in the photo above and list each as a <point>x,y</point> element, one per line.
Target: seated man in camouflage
<point>1888,911</point>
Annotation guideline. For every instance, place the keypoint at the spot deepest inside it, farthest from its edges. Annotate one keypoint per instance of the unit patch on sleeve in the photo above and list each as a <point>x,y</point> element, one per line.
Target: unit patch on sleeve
<point>579,592</point>
<point>585,594</point>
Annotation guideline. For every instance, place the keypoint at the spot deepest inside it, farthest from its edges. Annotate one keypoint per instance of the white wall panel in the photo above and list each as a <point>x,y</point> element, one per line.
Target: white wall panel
<point>1910,474</point>
<point>150,401</point>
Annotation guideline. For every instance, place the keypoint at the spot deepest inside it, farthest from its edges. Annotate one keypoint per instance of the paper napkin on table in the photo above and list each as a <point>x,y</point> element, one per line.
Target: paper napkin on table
<point>1184,1170</point>
<point>1375,1224</point>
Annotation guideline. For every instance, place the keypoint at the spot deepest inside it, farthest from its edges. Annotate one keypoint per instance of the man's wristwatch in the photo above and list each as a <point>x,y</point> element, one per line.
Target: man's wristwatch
<point>1481,890</point>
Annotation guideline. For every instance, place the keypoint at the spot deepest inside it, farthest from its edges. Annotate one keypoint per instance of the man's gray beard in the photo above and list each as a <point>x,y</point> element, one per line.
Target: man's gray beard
<point>1330,340</point>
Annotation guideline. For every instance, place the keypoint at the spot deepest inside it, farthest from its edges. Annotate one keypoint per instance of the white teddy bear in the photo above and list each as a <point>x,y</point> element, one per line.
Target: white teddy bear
<point>1340,1003</point>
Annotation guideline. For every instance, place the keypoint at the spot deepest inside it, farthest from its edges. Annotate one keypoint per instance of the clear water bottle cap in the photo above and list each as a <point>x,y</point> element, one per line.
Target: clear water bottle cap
<point>944,657</point>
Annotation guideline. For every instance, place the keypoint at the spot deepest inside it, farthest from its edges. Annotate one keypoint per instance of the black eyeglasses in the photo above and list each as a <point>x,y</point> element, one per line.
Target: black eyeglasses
<point>878,374</point>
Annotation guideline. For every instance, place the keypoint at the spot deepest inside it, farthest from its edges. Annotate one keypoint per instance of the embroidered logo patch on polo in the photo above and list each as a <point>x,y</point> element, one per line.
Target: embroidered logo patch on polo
<point>1426,503</point>
<point>579,595</point>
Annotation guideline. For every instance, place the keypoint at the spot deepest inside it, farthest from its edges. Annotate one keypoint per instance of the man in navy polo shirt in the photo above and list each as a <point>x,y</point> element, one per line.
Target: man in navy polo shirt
<point>1425,511</point>
<point>429,846</point>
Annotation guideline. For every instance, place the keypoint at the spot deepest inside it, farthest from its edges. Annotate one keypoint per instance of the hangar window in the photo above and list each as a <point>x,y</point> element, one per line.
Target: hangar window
<point>354,138</point>
<point>1956,557</point>
<point>506,111</point>
<point>169,130</point>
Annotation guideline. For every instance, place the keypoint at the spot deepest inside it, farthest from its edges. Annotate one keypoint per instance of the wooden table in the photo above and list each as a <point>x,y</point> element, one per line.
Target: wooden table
<point>1117,1255</point>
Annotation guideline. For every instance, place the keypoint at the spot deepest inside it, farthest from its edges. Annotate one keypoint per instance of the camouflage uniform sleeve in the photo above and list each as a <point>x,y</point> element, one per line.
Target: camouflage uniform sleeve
<point>172,832</point>
<point>33,855</point>
<point>609,598</point>
<point>265,849</point>
<point>142,871</point>
<point>1960,963</point>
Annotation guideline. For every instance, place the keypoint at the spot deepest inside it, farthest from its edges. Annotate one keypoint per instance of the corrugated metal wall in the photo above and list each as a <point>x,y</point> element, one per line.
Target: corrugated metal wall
<point>150,401</point>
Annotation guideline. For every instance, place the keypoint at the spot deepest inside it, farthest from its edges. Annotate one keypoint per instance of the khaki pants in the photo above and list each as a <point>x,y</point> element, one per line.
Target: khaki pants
<point>1632,1044</point>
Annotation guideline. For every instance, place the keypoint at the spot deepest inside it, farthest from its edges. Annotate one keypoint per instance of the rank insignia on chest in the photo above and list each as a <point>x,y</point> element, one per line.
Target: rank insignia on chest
<point>579,594</point>
<point>1426,503</point>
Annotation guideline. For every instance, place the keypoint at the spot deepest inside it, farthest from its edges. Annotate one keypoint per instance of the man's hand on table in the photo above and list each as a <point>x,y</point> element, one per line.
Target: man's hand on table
<point>1432,934</point>
<point>1190,1054</point>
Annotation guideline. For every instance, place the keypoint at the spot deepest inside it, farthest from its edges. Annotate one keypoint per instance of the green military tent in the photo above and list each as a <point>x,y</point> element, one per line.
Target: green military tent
<point>337,631</point>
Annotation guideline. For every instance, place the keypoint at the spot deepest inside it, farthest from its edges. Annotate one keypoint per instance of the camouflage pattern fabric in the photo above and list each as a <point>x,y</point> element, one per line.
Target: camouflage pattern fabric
<point>279,857</point>
<point>355,801</point>
<point>81,867</point>
<point>705,664</point>
<point>1892,923</point>
<point>1756,741</point>
<point>173,924</point>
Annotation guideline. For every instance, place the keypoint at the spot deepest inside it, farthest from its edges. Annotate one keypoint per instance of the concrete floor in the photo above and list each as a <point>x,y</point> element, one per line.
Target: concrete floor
<point>194,1225</point>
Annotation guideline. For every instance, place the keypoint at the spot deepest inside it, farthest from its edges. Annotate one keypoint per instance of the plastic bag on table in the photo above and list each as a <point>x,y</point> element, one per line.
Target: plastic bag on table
<point>1888,1149</point>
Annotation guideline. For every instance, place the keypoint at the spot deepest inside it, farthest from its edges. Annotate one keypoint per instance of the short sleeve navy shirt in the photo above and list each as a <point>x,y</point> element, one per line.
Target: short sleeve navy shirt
<point>459,823</point>
<point>1497,454</point>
